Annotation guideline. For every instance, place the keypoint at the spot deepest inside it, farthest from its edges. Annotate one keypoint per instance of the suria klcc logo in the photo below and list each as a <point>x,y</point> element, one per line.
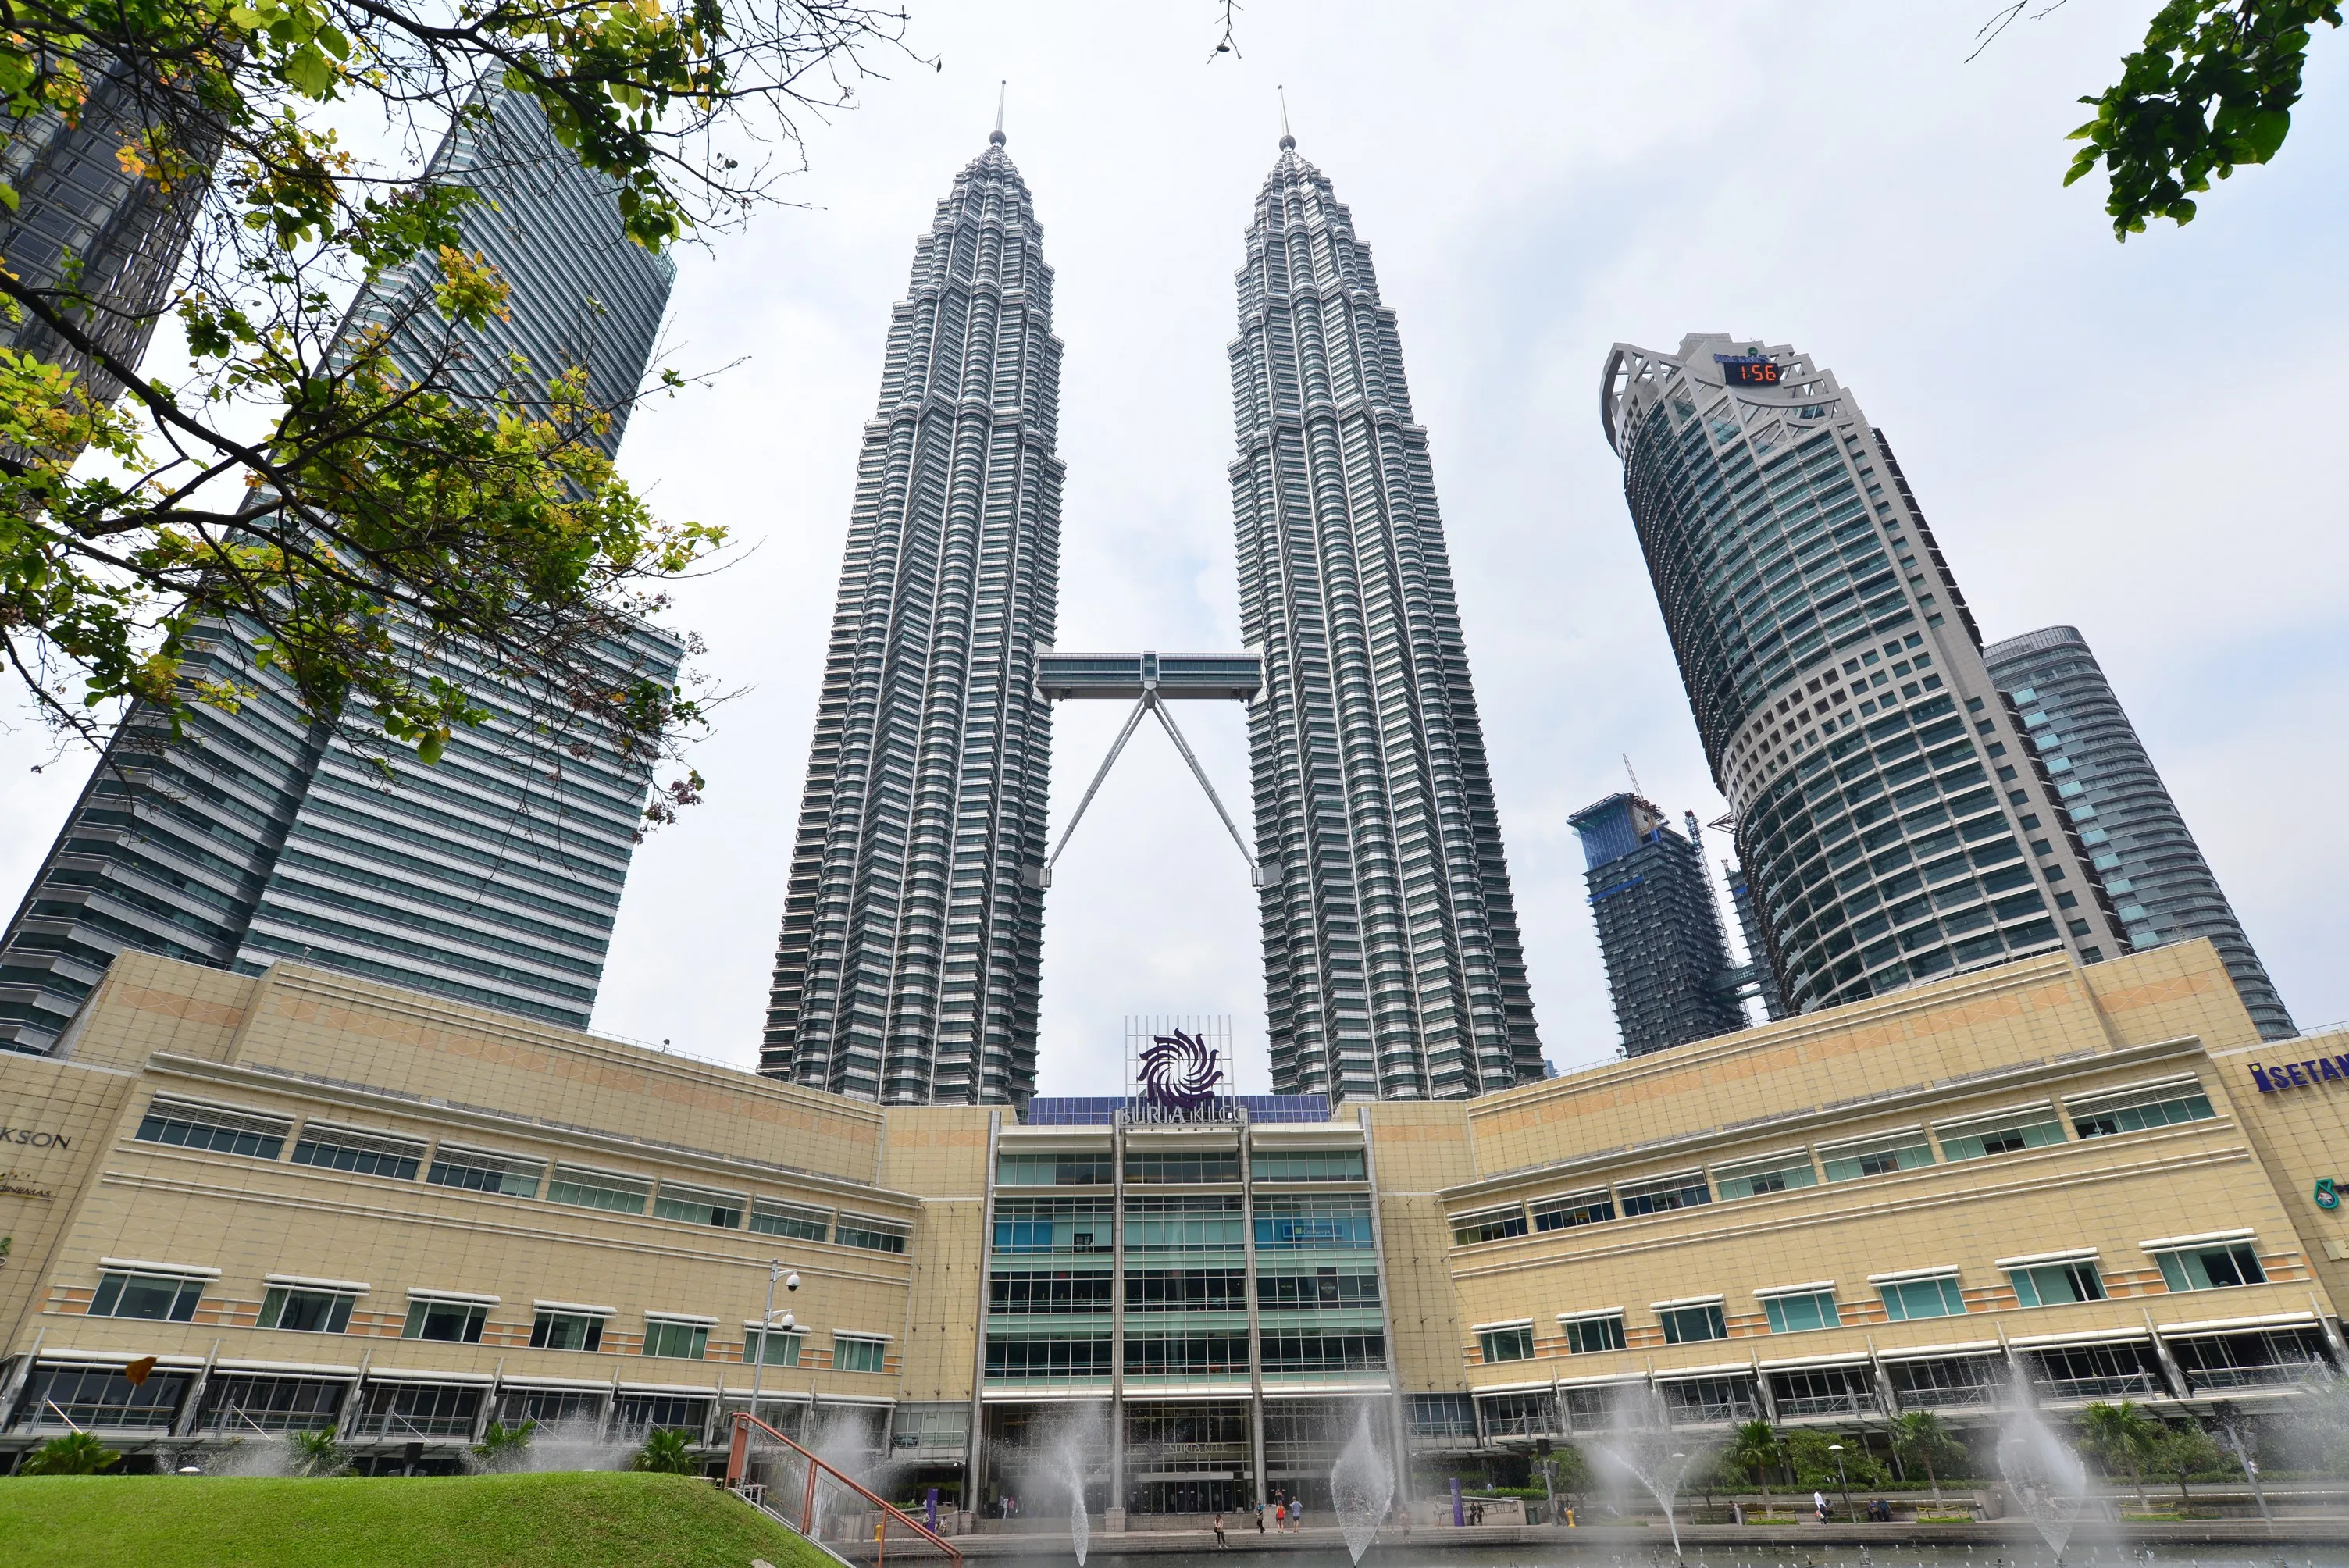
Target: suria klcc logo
<point>2299,1074</point>
<point>1179,1075</point>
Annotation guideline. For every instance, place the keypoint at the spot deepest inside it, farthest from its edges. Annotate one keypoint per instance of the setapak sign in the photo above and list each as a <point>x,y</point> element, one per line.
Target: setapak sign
<point>2299,1074</point>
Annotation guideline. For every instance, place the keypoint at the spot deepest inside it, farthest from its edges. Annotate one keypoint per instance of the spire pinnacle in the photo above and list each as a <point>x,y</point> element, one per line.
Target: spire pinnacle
<point>1287,141</point>
<point>1001,91</point>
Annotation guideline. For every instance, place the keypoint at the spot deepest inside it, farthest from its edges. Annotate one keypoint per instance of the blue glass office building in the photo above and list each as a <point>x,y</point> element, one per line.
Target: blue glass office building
<point>1891,821</point>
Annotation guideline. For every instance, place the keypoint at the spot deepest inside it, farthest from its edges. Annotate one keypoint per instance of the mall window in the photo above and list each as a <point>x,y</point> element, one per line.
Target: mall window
<point>1187,1353</point>
<point>779,1349</point>
<point>1925,1296</point>
<point>360,1152</point>
<point>2187,1266</point>
<point>1506,1342</point>
<point>1058,1168</point>
<point>483,1170</point>
<point>307,1309</point>
<point>455,1320</point>
<point>1880,1155</point>
<point>857,1353</point>
<point>872,1235</point>
<point>1059,1291</point>
<point>1323,1223</point>
<point>1189,1166</point>
<point>1801,1308</point>
<point>187,1124</point>
<point>696,1206</point>
<point>1693,1322</point>
<point>1309,1165</point>
<point>1442,1416</point>
<point>1332,1287</point>
<point>607,1189</point>
<point>2138,1108</point>
<point>1051,1225</point>
<point>1772,1173</point>
<point>1578,1209</point>
<point>1999,1132</point>
<point>2054,1282</point>
<point>1686,1190</point>
<point>1048,1354</point>
<point>677,1339</point>
<point>562,1327</point>
<point>1588,1335</point>
<point>792,1219</point>
<point>1194,1224</point>
<point>155,1297</point>
<point>1491,1225</point>
<point>1287,1355</point>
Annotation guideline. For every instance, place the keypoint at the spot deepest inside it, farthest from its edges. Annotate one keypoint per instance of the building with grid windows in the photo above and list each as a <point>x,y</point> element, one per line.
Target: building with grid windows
<point>1893,822</point>
<point>321,1203</point>
<point>493,878</point>
<point>2161,888</point>
<point>1394,968</point>
<point>1668,967</point>
<point>912,919</point>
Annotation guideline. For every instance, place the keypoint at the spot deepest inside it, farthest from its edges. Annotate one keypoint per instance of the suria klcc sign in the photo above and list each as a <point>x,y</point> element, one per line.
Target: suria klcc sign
<point>2299,1074</point>
<point>1178,1073</point>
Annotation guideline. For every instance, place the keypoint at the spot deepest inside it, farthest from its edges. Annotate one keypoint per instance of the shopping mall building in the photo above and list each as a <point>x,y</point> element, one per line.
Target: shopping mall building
<point>317,1202</point>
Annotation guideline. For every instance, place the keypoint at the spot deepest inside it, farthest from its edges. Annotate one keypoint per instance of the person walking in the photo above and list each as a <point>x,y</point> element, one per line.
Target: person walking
<point>1819,1505</point>
<point>1259,1519</point>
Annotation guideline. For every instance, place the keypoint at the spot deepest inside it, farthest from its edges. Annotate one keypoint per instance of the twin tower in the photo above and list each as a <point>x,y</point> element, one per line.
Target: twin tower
<point>909,963</point>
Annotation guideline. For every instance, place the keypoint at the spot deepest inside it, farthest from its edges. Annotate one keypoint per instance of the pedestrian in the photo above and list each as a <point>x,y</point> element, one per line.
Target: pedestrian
<point>1220,1543</point>
<point>1259,1519</point>
<point>1402,1513</point>
<point>1819,1505</point>
<point>1296,1514</point>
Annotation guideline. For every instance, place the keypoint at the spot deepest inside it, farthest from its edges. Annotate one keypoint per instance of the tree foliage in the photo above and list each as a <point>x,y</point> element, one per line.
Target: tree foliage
<point>397,545</point>
<point>1755,1450</point>
<point>313,1454</point>
<point>75,1453</point>
<point>1922,1439</point>
<point>2124,1438</point>
<point>667,1450</point>
<point>2213,88</point>
<point>503,1448</point>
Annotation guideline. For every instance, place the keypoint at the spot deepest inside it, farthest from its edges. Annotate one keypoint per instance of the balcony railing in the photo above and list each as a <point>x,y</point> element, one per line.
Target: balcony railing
<point>2126,1385</point>
<point>1852,1404</point>
<point>1711,1412</point>
<point>2280,1374</point>
<point>1971,1395</point>
<point>391,1424</point>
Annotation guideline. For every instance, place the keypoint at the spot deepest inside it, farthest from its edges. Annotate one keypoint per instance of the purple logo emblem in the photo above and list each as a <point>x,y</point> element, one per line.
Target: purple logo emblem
<point>1178,1072</point>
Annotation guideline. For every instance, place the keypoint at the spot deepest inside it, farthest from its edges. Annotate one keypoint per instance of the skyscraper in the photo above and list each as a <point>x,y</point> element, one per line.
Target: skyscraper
<point>493,877</point>
<point>94,239</point>
<point>906,970</point>
<point>1893,822</point>
<point>2162,888</point>
<point>1668,968</point>
<point>1392,964</point>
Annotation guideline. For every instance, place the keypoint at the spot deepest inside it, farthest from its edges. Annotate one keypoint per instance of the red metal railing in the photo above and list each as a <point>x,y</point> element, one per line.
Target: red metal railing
<point>803,1491</point>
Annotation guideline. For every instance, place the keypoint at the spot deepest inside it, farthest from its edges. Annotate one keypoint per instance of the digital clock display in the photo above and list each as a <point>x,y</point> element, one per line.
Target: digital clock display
<point>1747,371</point>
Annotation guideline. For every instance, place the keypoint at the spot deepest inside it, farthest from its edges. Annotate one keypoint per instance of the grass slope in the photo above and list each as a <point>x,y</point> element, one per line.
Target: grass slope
<point>586,1520</point>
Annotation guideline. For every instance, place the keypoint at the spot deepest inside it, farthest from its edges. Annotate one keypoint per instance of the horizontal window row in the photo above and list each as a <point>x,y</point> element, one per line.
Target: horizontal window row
<point>1979,1135</point>
<point>1191,1225</point>
<point>161,1293</point>
<point>2217,1262</point>
<point>1196,1352</point>
<point>1098,1168</point>
<point>1074,1291</point>
<point>225,1129</point>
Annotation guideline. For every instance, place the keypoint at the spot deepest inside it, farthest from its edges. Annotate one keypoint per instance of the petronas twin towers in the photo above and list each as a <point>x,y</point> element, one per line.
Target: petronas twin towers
<point>909,964</point>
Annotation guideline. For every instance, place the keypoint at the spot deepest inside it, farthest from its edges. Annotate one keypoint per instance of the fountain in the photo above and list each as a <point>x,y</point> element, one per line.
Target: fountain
<point>2047,1478</point>
<point>1362,1485</point>
<point>575,1443</point>
<point>1081,1527</point>
<point>1654,1456</point>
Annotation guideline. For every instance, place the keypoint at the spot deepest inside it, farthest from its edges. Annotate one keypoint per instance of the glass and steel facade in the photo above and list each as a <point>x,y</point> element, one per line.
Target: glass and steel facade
<point>1891,821</point>
<point>1393,969</point>
<point>906,970</point>
<point>1668,968</point>
<point>1200,1310</point>
<point>2162,889</point>
<point>492,878</point>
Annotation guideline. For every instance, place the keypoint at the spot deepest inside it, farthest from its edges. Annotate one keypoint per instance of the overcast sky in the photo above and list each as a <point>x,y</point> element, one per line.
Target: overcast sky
<point>2140,440</point>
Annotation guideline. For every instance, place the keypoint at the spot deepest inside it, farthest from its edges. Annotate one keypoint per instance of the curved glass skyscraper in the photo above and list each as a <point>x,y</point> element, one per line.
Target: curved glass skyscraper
<point>1392,964</point>
<point>1893,822</point>
<point>2162,888</point>
<point>907,967</point>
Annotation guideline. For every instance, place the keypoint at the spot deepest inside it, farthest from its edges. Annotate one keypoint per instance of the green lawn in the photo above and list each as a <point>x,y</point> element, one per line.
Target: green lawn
<point>591,1520</point>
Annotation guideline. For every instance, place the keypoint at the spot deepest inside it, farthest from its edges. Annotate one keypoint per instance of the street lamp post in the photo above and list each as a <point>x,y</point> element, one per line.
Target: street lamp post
<point>768,1324</point>
<point>1842,1484</point>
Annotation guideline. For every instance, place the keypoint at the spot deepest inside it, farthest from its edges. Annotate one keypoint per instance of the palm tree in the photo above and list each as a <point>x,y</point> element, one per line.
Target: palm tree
<point>1754,1448</point>
<point>2122,1435</point>
<point>666,1452</point>
<point>1919,1437</point>
<point>314,1454</point>
<point>75,1453</point>
<point>503,1446</point>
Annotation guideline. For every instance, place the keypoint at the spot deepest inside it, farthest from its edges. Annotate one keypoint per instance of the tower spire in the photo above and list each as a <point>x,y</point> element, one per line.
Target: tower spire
<point>1287,141</point>
<point>1001,90</point>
